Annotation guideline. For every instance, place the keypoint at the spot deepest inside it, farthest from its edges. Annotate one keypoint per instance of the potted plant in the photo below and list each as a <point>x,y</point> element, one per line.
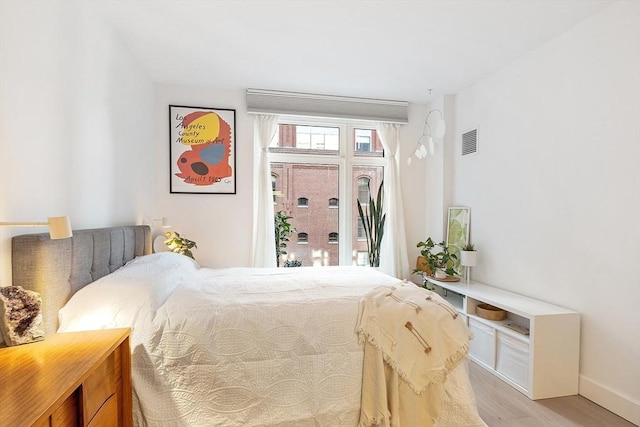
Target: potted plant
<point>439,264</point>
<point>373,223</point>
<point>292,263</point>
<point>468,255</point>
<point>282,229</point>
<point>179,244</point>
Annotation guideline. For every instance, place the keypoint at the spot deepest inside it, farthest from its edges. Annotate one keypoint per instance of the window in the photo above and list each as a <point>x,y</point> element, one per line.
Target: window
<point>274,187</point>
<point>361,234</point>
<point>362,258</point>
<point>367,143</point>
<point>317,160</point>
<point>363,190</point>
<point>317,138</point>
<point>299,138</point>
<point>363,143</point>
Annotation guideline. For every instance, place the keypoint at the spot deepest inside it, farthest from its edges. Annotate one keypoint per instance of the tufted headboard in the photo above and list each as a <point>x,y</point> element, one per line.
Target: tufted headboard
<point>57,269</point>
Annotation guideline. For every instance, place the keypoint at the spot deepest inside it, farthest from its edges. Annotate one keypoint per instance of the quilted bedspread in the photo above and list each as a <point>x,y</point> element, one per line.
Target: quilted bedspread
<point>241,346</point>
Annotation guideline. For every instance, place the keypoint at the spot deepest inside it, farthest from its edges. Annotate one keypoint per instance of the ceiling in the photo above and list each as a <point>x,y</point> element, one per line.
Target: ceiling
<point>376,49</point>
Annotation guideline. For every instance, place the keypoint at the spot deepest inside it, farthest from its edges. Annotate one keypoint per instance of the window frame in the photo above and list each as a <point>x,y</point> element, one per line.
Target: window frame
<point>345,159</point>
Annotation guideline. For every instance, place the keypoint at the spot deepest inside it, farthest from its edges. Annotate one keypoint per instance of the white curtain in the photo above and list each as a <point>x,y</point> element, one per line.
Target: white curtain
<point>264,243</point>
<point>393,252</point>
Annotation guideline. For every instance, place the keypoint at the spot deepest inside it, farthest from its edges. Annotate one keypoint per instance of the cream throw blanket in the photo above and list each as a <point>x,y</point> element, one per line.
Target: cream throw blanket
<point>412,339</point>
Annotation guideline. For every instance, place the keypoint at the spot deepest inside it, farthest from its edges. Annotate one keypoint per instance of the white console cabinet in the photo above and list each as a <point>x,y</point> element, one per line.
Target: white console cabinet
<point>541,359</point>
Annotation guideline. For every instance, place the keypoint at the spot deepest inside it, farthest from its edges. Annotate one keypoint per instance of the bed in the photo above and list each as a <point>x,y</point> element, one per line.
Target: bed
<point>220,347</point>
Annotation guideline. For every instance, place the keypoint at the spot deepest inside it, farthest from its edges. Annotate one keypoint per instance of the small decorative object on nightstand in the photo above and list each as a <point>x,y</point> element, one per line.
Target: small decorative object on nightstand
<point>20,316</point>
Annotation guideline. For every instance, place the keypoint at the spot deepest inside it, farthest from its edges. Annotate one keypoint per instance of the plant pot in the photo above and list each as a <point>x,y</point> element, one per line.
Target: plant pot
<point>421,264</point>
<point>440,274</point>
<point>469,258</point>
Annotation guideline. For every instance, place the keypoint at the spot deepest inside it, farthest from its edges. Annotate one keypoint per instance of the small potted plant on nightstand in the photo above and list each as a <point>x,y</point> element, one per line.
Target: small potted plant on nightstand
<point>440,264</point>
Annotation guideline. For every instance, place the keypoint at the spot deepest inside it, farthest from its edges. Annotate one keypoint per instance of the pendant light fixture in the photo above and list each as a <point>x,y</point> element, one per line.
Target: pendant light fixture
<point>426,144</point>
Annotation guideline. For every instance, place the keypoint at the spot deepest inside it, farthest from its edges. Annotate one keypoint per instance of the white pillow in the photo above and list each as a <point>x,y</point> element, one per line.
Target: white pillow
<point>128,297</point>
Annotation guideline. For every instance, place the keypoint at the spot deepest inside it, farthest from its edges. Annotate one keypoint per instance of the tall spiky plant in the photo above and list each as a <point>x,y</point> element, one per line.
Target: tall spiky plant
<point>373,220</point>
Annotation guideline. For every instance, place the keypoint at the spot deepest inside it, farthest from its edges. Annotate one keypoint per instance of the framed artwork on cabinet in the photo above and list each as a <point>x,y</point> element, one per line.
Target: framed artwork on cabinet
<point>202,150</point>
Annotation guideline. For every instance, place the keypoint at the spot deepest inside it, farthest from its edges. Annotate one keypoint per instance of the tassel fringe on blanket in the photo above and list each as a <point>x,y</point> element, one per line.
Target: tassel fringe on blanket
<point>450,362</point>
<point>412,334</point>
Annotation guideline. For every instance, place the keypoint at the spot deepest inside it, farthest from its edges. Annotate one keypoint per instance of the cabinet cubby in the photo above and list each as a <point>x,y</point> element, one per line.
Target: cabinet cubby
<point>535,349</point>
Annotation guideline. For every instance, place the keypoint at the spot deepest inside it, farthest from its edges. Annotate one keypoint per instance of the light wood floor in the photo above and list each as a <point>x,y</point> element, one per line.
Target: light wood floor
<point>500,405</point>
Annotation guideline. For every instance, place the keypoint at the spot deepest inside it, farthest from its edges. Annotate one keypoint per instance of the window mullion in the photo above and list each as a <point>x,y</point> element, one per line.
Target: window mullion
<point>344,219</point>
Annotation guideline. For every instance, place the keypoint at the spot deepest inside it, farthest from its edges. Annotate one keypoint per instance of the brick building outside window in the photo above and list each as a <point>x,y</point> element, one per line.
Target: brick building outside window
<point>314,169</point>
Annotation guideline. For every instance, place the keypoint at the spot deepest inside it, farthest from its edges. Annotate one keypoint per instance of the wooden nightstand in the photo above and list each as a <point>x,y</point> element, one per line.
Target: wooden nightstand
<point>69,379</point>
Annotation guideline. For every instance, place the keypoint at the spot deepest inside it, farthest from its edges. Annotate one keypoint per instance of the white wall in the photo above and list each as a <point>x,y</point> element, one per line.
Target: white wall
<point>554,189</point>
<point>75,115</point>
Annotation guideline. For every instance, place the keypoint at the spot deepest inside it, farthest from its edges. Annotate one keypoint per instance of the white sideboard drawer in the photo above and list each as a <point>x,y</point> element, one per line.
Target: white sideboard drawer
<point>482,346</point>
<point>512,359</point>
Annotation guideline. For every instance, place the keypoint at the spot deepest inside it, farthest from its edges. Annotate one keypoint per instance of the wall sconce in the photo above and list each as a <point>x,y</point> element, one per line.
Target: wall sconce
<point>158,241</point>
<point>59,226</point>
<point>421,151</point>
<point>164,222</point>
<point>155,222</point>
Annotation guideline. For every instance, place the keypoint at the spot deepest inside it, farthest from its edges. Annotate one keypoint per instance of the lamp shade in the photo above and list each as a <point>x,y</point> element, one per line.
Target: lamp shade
<point>158,244</point>
<point>59,227</point>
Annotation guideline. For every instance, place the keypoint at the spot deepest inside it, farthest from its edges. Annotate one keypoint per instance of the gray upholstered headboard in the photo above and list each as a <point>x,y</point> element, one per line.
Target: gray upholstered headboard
<point>57,269</point>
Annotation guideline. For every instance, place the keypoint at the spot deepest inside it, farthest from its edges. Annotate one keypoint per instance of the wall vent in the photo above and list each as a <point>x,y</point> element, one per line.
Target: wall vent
<point>470,142</point>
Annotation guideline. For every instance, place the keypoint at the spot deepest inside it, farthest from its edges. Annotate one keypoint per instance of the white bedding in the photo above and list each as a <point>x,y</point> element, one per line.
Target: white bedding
<point>243,347</point>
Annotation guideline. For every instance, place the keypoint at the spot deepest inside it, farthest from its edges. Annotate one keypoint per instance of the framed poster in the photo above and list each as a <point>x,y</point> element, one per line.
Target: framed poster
<point>202,150</point>
<point>457,231</point>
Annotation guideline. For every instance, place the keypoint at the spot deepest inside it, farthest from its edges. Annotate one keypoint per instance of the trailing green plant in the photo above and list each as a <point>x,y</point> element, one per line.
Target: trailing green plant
<point>282,229</point>
<point>441,260</point>
<point>178,244</point>
<point>373,220</point>
<point>468,247</point>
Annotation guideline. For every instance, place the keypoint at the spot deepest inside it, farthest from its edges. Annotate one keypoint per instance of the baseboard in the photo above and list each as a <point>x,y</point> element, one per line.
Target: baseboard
<point>624,406</point>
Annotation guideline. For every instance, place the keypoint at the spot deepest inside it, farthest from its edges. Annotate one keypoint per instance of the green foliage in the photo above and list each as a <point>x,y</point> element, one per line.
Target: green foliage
<point>282,229</point>
<point>468,247</point>
<point>292,263</point>
<point>179,244</point>
<point>373,222</point>
<point>442,260</point>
